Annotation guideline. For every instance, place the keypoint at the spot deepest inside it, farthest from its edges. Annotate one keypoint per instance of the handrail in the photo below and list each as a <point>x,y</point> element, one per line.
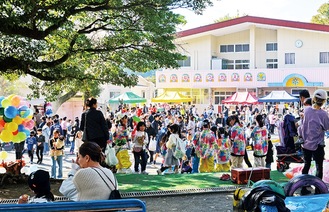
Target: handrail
<point>92,205</point>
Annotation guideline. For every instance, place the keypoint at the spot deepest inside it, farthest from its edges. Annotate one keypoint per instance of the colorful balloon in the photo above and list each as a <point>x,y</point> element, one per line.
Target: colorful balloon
<point>11,112</point>
<point>1,98</point>
<point>7,120</point>
<point>5,103</point>
<point>29,124</point>
<point>18,120</point>
<point>6,136</point>
<point>3,155</point>
<point>22,136</point>
<point>15,101</point>
<point>16,139</point>
<point>21,128</point>
<point>12,126</point>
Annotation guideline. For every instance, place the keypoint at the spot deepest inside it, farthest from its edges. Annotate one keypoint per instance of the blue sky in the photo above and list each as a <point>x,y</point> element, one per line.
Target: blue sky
<point>294,10</point>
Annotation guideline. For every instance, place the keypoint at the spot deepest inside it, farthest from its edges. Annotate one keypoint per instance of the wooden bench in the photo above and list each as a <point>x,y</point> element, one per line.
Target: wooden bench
<point>93,205</point>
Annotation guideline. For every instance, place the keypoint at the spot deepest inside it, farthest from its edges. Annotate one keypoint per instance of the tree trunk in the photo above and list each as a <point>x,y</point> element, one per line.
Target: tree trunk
<point>62,99</point>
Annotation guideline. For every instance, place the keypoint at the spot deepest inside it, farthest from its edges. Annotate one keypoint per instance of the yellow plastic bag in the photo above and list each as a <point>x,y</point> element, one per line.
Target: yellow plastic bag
<point>124,159</point>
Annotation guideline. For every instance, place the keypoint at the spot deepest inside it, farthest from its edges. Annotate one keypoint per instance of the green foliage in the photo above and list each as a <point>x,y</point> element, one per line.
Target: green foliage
<point>323,15</point>
<point>69,44</point>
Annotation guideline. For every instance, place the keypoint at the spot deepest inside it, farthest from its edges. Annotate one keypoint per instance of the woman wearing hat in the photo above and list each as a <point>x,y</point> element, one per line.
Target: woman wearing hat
<point>313,126</point>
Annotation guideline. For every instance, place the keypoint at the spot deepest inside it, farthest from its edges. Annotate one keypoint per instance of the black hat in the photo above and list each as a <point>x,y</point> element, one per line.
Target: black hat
<point>38,181</point>
<point>39,129</point>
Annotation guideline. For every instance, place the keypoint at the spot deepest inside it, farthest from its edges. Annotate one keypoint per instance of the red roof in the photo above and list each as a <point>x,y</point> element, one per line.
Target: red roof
<point>256,20</point>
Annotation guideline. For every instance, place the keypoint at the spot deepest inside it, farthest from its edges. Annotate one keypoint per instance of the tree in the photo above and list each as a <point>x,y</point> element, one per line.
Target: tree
<point>323,15</point>
<point>69,45</point>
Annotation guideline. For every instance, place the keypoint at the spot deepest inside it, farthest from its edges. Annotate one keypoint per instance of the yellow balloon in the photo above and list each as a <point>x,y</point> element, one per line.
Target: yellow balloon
<point>30,117</point>
<point>10,96</point>
<point>3,155</point>
<point>17,139</point>
<point>5,103</point>
<point>12,126</point>
<point>18,120</point>
<point>6,136</point>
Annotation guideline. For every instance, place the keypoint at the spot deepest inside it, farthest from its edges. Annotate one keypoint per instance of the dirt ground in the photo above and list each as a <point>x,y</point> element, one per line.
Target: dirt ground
<point>14,189</point>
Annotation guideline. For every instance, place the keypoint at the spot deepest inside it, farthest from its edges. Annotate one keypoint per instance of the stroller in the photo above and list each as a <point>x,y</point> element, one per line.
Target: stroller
<point>290,150</point>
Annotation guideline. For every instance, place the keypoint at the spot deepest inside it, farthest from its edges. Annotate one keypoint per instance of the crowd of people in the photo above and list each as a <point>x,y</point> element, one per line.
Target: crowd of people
<point>185,140</point>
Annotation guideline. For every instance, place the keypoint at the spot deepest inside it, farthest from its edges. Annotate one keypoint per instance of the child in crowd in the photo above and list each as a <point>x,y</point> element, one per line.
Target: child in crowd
<point>56,153</point>
<point>222,151</point>
<point>31,143</point>
<point>78,141</point>
<point>40,145</point>
<point>260,133</point>
<point>38,182</point>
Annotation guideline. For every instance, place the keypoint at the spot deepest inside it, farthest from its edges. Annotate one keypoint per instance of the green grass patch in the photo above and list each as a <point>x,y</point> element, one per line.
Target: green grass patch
<point>139,182</point>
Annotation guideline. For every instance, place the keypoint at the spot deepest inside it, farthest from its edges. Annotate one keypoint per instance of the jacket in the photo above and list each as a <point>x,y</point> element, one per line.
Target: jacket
<point>96,125</point>
<point>58,148</point>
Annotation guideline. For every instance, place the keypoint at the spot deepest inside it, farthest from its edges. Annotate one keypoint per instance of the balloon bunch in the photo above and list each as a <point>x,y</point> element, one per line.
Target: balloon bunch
<point>15,119</point>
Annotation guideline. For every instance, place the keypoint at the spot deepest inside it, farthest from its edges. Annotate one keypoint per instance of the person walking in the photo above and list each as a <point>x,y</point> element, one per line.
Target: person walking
<point>313,126</point>
<point>139,147</point>
<point>40,145</point>
<point>94,122</point>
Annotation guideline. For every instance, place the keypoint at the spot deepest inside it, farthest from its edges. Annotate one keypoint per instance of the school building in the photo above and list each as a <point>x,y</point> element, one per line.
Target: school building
<point>251,54</point>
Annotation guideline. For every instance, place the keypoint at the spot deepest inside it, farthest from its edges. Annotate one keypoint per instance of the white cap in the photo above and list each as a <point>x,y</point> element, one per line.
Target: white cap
<point>321,94</point>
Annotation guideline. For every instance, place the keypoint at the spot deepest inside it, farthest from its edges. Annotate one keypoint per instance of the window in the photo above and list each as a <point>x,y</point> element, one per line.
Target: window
<point>185,63</point>
<point>289,58</point>
<point>271,47</point>
<point>241,64</point>
<point>227,64</point>
<point>226,48</point>
<point>271,63</point>
<point>242,48</point>
<point>324,57</point>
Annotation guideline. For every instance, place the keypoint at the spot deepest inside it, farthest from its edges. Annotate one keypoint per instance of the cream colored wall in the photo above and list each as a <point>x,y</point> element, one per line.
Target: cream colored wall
<point>232,39</point>
<point>262,37</point>
<point>308,54</point>
<point>199,49</point>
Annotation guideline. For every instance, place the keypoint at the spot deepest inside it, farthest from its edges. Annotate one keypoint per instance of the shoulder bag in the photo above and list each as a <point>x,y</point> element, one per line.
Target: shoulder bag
<point>115,194</point>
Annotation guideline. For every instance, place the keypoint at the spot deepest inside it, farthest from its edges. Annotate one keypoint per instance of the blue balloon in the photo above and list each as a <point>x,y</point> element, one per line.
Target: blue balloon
<point>1,98</point>
<point>23,108</point>
<point>11,112</point>
<point>27,132</point>
<point>21,128</point>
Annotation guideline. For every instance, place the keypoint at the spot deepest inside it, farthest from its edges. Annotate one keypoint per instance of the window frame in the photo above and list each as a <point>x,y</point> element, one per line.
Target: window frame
<point>274,63</point>
<point>181,63</point>
<point>274,47</point>
<point>291,60</point>
<point>325,56</point>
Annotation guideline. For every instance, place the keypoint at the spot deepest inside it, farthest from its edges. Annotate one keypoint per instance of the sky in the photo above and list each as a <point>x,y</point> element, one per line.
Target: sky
<point>293,10</point>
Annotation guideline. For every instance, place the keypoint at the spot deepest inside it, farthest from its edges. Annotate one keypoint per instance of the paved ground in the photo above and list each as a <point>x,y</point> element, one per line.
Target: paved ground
<point>188,203</point>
